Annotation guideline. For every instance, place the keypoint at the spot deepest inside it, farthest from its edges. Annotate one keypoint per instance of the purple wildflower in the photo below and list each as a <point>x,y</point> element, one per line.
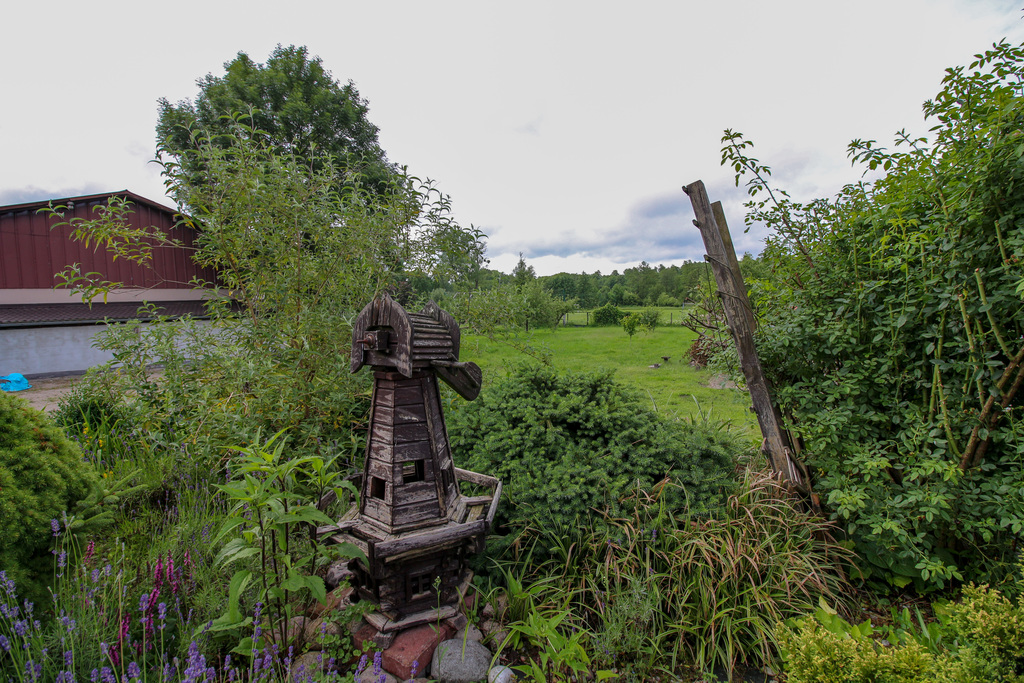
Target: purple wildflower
<point>161,611</point>
<point>361,666</point>
<point>21,627</point>
<point>55,526</point>
<point>107,675</point>
<point>5,644</point>
<point>196,664</point>
<point>377,657</point>
<point>133,670</point>
<point>69,659</point>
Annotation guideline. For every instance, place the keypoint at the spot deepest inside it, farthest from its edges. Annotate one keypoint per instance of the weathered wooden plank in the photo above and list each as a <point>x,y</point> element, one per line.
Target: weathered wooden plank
<point>428,538</point>
<point>409,413</point>
<point>476,478</point>
<point>377,509</point>
<point>383,398</point>
<point>413,450</point>
<point>411,431</point>
<point>734,294</point>
<point>382,433</point>
<point>465,378</point>
<point>416,491</point>
<point>427,616</point>
<point>417,511</point>
<point>408,395</point>
<point>494,506</point>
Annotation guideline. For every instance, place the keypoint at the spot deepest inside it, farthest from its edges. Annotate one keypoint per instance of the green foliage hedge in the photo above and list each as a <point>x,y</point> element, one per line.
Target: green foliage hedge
<point>895,336</point>
<point>42,475</point>
<point>569,444</point>
<point>608,315</point>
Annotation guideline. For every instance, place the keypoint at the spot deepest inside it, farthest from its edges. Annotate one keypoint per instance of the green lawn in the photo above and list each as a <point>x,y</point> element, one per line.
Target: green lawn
<point>674,388</point>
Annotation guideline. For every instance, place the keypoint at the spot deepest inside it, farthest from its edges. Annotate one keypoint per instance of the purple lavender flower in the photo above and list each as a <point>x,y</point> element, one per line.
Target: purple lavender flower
<point>377,657</point>
<point>5,644</point>
<point>133,670</point>
<point>161,611</point>
<point>95,676</point>
<point>361,666</point>
<point>415,668</point>
<point>21,627</point>
<point>95,575</point>
<point>8,584</point>
<point>105,649</point>
<point>107,675</point>
<point>55,526</point>
<point>196,664</point>
<point>69,659</point>
<point>68,623</point>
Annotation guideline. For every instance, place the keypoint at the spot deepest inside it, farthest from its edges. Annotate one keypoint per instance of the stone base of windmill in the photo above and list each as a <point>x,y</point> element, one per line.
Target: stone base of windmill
<point>446,649</point>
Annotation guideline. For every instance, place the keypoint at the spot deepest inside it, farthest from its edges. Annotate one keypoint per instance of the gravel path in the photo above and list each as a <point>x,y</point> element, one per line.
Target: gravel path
<point>45,393</point>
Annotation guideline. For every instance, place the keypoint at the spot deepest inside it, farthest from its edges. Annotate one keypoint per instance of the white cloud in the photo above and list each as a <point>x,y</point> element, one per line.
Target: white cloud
<point>564,130</point>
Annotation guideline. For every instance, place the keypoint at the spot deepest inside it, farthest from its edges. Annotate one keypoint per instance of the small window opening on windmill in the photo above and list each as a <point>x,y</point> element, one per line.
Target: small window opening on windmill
<point>413,471</point>
<point>419,586</point>
<point>377,488</point>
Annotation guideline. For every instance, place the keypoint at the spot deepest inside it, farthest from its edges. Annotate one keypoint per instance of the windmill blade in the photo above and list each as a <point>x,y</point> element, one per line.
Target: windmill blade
<point>465,378</point>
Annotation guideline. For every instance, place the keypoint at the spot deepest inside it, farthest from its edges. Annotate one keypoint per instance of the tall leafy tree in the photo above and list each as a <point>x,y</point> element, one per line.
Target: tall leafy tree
<point>291,102</point>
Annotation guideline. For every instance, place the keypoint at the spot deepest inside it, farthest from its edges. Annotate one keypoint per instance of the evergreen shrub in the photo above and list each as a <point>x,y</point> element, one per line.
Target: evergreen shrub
<point>608,315</point>
<point>568,446</point>
<point>42,475</point>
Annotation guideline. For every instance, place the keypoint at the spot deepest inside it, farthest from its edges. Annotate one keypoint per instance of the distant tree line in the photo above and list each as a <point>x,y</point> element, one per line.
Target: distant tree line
<point>642,285</point>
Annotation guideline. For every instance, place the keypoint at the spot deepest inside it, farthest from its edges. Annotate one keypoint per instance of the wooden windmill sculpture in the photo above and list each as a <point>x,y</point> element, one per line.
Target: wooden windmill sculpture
<point>412,521</point>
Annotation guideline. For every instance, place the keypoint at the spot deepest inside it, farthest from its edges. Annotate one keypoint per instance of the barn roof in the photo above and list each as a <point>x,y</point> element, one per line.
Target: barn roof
<point>135,198</point>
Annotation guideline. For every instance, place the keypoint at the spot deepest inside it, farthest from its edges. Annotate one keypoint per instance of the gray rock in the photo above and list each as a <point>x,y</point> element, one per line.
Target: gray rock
<point>458,661</point>
<point>309,662</point>
<point>369,677</point>
<point>317,630</point>
<point>469,632</point>
<point>501,674</point>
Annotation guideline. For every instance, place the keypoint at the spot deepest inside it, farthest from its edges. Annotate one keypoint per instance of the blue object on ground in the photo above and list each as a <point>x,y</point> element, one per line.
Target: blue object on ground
<point>14,382</point>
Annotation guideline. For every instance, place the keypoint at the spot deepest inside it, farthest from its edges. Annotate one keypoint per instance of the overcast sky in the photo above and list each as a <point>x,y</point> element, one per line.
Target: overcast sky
<point>563,130</point>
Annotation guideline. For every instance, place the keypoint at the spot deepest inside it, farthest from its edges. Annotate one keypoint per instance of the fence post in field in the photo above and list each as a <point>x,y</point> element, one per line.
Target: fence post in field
<point>740,318</point>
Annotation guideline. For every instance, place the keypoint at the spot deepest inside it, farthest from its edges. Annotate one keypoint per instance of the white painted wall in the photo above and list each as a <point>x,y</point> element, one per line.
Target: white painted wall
<point>37,350</point>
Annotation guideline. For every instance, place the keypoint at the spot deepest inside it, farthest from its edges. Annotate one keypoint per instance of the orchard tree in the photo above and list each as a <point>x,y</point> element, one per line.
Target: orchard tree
<point>292,102</point>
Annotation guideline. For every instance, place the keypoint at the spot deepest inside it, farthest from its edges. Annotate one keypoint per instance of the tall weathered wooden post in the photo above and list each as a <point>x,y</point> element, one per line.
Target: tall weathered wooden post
<point>412,521</point>
<point>740,318</point>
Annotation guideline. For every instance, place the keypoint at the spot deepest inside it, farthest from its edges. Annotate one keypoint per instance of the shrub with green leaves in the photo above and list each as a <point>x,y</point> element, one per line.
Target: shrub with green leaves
<point>895,339</point>
<point>42,476</point>
<point>569,444</point>
<point>607,315</point>
<point>978,638</point>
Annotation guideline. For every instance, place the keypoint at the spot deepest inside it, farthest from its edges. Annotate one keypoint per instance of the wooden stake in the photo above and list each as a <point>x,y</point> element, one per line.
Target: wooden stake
<point>740,318</point>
